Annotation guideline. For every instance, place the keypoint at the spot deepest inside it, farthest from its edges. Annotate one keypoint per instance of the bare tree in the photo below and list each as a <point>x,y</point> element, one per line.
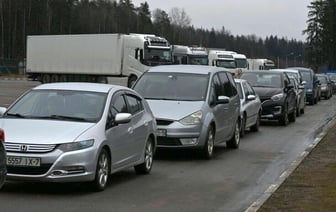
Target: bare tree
<point>179,17</point>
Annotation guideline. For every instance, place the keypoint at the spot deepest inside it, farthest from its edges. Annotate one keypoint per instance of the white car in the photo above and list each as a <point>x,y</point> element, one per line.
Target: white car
<point>77,132</point>
<point>250,106</point>
<point>3,169</point>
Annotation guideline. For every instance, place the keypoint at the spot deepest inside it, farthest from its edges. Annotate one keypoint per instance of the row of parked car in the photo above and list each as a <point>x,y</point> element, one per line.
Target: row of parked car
<point>84,132</point>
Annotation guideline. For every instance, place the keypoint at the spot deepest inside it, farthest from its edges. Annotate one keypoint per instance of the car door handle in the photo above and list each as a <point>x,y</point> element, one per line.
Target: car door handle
<point>130,130</point>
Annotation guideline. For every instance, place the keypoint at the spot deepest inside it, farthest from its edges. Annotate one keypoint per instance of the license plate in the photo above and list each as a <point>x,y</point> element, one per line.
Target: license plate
<point>23,161</point>
<point>162,132</point>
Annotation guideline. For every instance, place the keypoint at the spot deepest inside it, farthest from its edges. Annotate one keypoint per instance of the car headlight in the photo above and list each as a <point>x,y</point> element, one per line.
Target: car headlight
<point>277,97</point>
<point>309,90</point>
<point>78,145</point>
<point>323,87</point>
<point>194,118</point>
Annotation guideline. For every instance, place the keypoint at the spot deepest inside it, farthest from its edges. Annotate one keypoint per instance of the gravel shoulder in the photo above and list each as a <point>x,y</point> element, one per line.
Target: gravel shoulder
<point>312,185</point>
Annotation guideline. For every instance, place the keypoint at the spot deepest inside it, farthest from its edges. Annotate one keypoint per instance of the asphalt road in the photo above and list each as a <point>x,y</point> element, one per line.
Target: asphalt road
<point>180,181</point>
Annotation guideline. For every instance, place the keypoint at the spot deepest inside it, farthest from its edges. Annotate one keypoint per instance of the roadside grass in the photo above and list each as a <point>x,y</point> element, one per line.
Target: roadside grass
<point>312,185</point>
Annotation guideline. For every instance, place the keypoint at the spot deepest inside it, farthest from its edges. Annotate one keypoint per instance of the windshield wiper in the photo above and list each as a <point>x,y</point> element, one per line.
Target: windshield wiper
<point>60,117</point>
<point>16,115</point>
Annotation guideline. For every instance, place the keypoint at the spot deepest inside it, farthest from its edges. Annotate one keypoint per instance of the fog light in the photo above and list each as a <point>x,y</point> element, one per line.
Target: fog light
<point>188,141</point>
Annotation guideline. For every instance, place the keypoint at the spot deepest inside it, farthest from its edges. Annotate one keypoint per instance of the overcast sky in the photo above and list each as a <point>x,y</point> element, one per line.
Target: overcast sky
<point>284,18</point>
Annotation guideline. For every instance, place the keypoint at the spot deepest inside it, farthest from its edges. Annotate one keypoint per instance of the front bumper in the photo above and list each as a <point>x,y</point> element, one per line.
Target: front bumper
<point>56,166</point>
<point>271,110</point>
<point>177,135</point>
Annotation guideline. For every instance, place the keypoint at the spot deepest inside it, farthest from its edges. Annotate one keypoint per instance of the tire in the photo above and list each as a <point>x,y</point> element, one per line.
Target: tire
<point>284,119</point>
<point>255,127</point>
<point>243,126</point>
<point>292,115</point>
<point>131,81</point>
<point>46,78</point>
<point>207,151</point>
<point>103,170</point>
<point>54,78</point>
<point>146,166</point>
<point>233,143</point>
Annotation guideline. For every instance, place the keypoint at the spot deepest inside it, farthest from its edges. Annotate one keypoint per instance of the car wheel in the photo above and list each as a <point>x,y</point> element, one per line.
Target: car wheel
<point>146,166</point>
<point>102,171</point>
<point>233,143</point>
<point>243,126</point>
<point>284,119</point>
<point>292,115</point>
<point>255,127</point>
<point>208,148</point>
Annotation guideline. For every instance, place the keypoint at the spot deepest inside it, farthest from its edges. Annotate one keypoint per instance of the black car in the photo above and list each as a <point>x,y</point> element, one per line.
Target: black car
<point>276,93</point>
<point>3,170</point>
<point>326,86</point>
<point>313,87</point>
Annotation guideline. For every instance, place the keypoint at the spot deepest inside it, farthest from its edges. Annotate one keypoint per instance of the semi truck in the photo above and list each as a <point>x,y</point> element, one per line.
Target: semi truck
<point>223,59</point>
<point>105,58</point>
<point>260,64</point>
<point>190,55</point>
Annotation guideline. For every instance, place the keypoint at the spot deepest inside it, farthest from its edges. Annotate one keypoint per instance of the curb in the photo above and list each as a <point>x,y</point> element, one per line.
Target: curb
<point>272,188</point>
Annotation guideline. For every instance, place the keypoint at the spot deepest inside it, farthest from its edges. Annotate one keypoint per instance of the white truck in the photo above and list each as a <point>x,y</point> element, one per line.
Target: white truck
<point>190,55</point>
<point>223,59</point>
<point>105,58</point>
<point>241,61</point>
<point>260,64</point>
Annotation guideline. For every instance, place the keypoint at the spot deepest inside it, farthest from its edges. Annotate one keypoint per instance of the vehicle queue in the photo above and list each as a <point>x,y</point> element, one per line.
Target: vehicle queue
<point>96,128</point>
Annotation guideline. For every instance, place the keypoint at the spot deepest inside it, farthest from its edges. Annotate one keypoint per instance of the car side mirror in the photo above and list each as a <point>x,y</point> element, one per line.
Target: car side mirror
<point>251,97</point>
<point>123,118</point>
<point>2,110</point>
<point>223,100</point>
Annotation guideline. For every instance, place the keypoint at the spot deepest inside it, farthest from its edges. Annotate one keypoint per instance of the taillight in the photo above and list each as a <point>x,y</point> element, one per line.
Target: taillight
<point>2,135</point>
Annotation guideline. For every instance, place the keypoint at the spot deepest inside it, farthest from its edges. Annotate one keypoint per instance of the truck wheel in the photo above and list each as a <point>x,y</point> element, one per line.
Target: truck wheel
<point>45,78</point>
<point>54,78</point>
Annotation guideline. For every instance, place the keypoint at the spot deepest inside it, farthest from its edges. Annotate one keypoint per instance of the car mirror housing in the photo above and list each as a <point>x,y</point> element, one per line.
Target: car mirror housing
<point>251,97</point>
<point>223,100</point>
<point>123,118</point>
<point>2,110</point>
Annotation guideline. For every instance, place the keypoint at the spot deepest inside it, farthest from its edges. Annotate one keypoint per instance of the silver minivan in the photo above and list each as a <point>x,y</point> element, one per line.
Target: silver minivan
<point>195,106</point>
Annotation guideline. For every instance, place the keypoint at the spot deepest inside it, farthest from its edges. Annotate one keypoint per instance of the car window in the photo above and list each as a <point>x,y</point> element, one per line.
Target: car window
<point>250,89</point>
<point>118,105</point>
<point>240,91</point>
<point>218,88</point>
<point>134,103</point>
<point>246,91</point>
<point>226,84</point>
<point>173,86</point>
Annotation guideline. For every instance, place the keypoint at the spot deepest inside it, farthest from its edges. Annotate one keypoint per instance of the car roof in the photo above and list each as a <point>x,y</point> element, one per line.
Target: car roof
<point>301,69</point>
<point>79,86</point>
<point>263,72</point>
<point>191,69</point>
<point>286,70</point>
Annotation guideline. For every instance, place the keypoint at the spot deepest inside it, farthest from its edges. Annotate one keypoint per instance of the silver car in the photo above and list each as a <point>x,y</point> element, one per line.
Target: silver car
<point>77,132</point>
<point>250,106</point>
<point>195,106</point>
<point>3,169</point>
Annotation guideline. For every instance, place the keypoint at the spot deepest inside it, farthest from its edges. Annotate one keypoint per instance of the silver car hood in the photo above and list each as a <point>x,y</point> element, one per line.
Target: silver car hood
<point>33,131</point>
<point>174,110</point>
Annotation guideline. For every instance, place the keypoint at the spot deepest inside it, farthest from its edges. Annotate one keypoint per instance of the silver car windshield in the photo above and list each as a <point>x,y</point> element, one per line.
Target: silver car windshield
<point>173,86</point>
<point>60,105</point>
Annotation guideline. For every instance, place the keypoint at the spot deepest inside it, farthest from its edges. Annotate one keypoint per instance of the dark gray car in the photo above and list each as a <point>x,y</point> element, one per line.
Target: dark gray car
<point>195,106</point>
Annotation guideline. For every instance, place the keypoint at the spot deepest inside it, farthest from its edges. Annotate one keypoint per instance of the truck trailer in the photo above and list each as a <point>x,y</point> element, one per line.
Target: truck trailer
<point>104,58</point>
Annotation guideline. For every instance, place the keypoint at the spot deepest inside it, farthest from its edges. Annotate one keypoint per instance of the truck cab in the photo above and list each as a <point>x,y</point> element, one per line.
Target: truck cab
<point>190,55</point>
<point>223,59</point>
